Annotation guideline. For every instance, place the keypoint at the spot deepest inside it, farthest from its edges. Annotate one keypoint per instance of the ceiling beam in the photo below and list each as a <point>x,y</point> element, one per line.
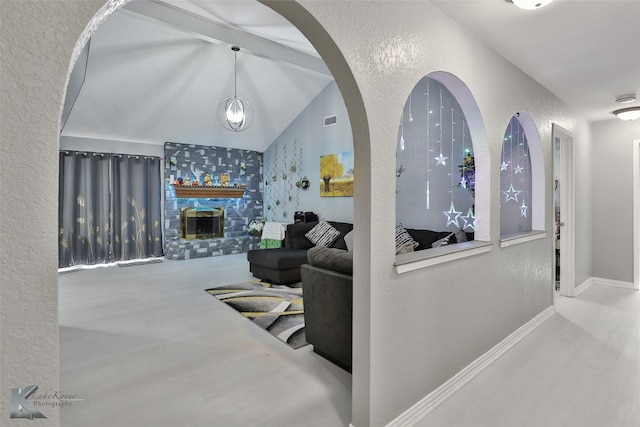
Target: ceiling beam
<point>216,32</point>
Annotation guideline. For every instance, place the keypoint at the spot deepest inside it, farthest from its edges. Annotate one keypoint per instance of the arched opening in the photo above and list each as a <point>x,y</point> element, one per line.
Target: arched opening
<point>482,157</point>
<point>436,166</point>
<point>300,18</point>
<point>521,179</point>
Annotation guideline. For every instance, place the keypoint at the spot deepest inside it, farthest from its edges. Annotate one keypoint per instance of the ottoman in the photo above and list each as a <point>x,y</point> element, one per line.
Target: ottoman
<point>280,266</point>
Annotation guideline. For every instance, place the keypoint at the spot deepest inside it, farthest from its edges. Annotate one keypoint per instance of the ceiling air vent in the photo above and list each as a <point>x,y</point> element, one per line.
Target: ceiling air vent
<point>330,121</point>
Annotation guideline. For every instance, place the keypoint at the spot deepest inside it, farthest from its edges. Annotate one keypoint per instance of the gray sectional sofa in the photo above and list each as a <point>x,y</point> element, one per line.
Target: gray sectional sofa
<point>282,265</point>
<point>327,282</point>
<point>327,287</point>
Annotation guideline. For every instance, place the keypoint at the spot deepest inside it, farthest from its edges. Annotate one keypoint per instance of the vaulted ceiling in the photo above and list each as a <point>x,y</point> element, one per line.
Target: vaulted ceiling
<point>156,70</point>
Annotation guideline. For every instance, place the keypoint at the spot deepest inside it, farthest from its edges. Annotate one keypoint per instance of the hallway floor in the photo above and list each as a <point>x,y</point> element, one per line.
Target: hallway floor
<point>580,368</point>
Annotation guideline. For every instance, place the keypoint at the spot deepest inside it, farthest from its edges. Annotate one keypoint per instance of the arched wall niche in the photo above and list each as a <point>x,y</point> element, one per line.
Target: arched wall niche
<point>536,157</point>
<point>469,106</point>
<point>337,64</point>
<point>478,140</point>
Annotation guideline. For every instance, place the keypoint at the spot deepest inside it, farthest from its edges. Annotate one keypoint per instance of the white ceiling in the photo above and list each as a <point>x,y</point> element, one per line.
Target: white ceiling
<point>587,52</point>
<point>157,70</point>
<point>156,73</point>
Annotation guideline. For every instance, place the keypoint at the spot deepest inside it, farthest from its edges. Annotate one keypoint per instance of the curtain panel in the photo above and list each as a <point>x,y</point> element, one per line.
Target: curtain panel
<point>109,208</point>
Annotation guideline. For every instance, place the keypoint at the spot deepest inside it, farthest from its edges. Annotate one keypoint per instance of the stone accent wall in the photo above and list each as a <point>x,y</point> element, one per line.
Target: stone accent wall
<point>244,167</point>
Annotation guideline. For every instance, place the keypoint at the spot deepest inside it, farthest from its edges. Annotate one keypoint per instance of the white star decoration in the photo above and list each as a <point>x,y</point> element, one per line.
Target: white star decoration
<point>511,194</point>
<point>441,159</point>
<point>469,220</point>
<point>518,169</point>
<point>504,166</point>
<point>452,215</point>
<point>523,209</point>
<point>463,182</point>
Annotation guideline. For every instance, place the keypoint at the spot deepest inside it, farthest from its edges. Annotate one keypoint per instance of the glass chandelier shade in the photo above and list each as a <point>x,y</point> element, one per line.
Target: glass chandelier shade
<point>235,113</point>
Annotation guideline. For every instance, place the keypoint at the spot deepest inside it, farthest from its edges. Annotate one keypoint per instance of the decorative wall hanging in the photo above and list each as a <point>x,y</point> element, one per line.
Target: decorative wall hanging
<point>515,180</point>
<point>336,174</point>
<point>435,165</point>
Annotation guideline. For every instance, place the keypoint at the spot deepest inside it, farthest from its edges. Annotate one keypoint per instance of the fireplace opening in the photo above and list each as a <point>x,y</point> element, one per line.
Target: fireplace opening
<point>201,223</point>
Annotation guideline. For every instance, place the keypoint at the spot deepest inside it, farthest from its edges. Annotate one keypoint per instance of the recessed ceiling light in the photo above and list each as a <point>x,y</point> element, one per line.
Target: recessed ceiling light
<point>631,113</point>
<point>530,4</point>
<point>623,99</point>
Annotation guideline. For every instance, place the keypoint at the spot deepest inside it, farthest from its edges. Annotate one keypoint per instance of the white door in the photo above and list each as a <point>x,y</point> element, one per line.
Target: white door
<point>636,214</point>
<point>563,244</point>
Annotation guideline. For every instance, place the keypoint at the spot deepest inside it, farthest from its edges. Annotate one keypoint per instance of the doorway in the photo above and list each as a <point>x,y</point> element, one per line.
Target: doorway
<point>636,214</point>
<point>563,202</point>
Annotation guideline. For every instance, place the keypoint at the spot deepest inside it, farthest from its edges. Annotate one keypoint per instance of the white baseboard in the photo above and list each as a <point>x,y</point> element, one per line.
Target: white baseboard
<point>609,282</point>
<point>434,399</point>
<point>583,286</point>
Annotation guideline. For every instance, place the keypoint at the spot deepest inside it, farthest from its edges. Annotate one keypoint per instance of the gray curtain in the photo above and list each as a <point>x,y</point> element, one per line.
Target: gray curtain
<point>109,208</point>
<point>83,209</point>
<point>136,190</point>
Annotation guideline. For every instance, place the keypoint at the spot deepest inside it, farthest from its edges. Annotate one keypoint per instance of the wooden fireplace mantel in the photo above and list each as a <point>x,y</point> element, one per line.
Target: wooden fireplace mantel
<point>216,192</point>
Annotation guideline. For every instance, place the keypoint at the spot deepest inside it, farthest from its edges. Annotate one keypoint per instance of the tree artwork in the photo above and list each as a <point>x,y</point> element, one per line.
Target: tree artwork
<point>336,171</point>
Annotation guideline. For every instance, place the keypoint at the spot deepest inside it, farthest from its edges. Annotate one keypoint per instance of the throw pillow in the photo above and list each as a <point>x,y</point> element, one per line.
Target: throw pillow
<point>402,237</point>
<point>323,234</point>
<point>348,240</point>
<point>442,242</point>
<point>405,248</point>
<point>461,236</point>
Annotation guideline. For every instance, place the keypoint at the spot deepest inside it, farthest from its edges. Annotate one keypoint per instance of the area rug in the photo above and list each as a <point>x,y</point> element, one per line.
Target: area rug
<point>275,308</point>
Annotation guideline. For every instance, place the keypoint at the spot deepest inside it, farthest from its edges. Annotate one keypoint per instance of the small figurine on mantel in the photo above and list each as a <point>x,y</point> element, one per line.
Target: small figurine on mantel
<point>186,181</point>
<point>207,180</point>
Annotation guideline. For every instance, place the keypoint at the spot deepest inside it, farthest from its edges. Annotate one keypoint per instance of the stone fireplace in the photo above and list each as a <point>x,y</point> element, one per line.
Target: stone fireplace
<point>201,224</point>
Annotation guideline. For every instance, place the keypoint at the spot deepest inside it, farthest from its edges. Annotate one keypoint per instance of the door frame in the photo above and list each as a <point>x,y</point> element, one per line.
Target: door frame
<point>636,214</point>
<point>564,138</point>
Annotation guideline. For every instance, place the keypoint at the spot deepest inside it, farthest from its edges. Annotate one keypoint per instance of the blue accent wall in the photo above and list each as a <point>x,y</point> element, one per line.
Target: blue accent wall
<point>296,154</point>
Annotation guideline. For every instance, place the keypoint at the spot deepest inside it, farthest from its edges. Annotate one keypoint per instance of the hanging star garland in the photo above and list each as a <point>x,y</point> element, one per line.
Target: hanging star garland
<point>504,166</point>
<point>440,160</point>
<point>511,194</point>
<point>523,210</point>
<point>452,215</point>
<point>518,169</point>
<point>463,182</point>
<point>469,220</point>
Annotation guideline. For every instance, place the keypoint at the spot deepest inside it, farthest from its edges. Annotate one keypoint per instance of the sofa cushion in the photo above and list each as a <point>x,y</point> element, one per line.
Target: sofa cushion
<point>426,238</point>
<point>344,228</point>
<point>279,259</point>
<point>323,234</point>
<point>334,259</point>
<point>294,237</point>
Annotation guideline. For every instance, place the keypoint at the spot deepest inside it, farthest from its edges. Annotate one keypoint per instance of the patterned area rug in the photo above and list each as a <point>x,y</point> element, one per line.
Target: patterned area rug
<point>275,308</point>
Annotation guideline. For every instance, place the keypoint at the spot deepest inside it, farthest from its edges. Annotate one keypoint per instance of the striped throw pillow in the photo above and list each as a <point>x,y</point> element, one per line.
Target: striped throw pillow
<point>323,234</point>
<point>403,237</point>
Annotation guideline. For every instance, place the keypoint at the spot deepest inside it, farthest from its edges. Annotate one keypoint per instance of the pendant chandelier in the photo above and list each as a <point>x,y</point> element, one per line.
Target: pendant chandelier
<point>530,4</point>
<point>235,114</point>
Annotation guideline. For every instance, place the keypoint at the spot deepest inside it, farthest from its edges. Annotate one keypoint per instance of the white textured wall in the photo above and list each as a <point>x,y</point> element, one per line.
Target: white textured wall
<point>38,38</point>
<point>423,326</point>
<point>612,171</point>
<point>411,332</point>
